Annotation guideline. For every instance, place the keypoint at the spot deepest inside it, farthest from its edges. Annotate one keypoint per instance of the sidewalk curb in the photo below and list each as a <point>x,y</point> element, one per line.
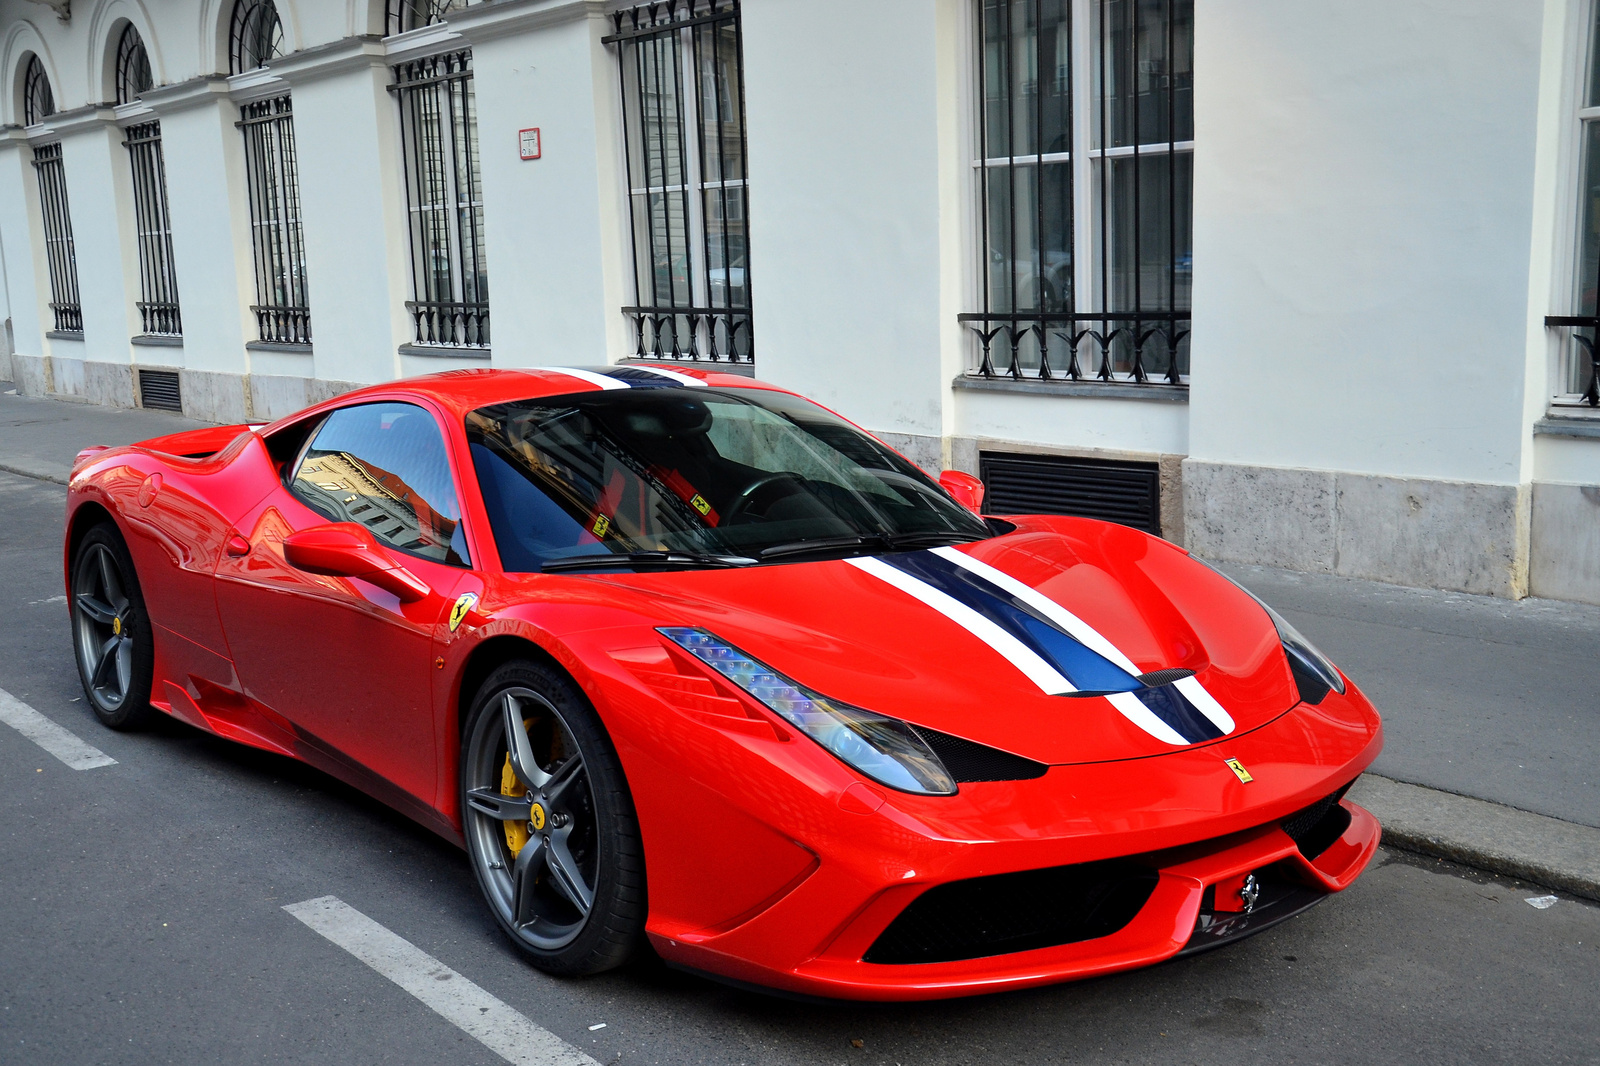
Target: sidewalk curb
<point>1488,836</point>
<point>36,474</point>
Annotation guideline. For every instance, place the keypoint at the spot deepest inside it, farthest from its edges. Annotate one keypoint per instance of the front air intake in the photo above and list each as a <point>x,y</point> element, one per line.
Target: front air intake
<point>1315,828</point>
<point>1005,913</point>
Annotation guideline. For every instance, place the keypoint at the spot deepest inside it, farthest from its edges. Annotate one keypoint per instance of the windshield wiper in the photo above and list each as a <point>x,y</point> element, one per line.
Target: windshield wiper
<point>876,541</point>
<point>644,560</point>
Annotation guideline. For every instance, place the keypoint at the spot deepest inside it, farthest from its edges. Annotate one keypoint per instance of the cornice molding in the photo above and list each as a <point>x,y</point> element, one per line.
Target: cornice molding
<point>346,56</point>
<point>502,18</point>
<point>204,91</point>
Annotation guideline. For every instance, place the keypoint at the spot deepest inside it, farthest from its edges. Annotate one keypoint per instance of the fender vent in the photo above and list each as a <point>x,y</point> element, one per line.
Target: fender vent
<point>1129,493</point>
<point>985,916</point>
<point>159,389</point>
<point>970,761</point>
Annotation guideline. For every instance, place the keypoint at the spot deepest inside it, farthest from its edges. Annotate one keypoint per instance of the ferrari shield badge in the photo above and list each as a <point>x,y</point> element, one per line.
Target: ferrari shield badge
<point>459,611</point>
<point>1233,764</point>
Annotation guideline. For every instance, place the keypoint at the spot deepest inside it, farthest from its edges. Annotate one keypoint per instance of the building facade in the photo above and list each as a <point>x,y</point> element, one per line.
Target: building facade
<point>1306,285</point>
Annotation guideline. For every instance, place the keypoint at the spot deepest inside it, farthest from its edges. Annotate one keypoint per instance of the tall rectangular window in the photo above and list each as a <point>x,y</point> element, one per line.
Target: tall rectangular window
<point>58,249</point>
<point>282,310</point>
<point>1578,380</point>
<point>444,196</point>
<point>1086,144</point>
<point>158,285</point>
<point>684,129</point>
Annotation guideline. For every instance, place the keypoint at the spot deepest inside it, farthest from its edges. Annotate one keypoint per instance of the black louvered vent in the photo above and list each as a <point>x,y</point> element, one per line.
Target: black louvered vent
<point>159,389</point>
<point>1129,493</point>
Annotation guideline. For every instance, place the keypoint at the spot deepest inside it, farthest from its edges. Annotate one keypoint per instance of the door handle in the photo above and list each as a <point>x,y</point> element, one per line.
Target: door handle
<point>238,546</point>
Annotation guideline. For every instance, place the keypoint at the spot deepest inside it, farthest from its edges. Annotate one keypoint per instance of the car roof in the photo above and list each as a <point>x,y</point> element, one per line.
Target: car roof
<point>461,391</point>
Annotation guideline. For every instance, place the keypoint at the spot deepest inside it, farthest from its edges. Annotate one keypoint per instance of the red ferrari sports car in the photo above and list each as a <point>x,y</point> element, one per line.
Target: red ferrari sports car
<point>680,656</point>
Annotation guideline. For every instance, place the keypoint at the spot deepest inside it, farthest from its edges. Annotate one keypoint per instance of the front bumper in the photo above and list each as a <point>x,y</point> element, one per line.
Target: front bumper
<point>1183,815</point>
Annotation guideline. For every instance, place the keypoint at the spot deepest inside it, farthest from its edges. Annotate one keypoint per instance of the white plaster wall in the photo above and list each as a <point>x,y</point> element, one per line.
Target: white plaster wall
<point>1074,422</point>
<point>96,167</point>
<point>16,231</point>
<point>1566,460</point>
<point>555,240</point>
<point>845,205</point>
<point>1363,211</point>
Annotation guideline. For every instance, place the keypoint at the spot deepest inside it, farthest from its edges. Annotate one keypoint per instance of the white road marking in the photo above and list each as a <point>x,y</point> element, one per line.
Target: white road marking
<point>49,736</point>
<point>457,1000</point>
<point>52,599</point>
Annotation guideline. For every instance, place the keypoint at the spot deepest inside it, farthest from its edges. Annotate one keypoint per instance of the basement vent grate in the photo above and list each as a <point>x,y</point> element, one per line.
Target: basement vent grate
<point>1129,493</point>
<point>159,389</point>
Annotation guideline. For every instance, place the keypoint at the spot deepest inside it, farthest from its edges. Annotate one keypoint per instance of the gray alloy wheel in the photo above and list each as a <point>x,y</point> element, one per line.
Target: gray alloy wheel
<point>110,630</point>
<point>549,825</point>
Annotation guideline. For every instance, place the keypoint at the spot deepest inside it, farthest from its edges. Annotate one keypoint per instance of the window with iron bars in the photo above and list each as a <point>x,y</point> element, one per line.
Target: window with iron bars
<point>58,248</point>
<point>282,310</point>
<point>1086,146</point>
<point>682,73</point>
<point>158,285</point>
<point>38,101</point>
<point>403,15</point>
<point>444,197</point>
<point>1578,382</point>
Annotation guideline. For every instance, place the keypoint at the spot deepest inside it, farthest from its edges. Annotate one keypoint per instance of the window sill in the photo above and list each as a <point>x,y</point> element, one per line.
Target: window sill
<point>747,370</point>
<point>65,334</point>
<point>1098,390</point>
<point>277,346</point>
<point>157,340</point>
<point>445,351</point>
<point>1569,422</point>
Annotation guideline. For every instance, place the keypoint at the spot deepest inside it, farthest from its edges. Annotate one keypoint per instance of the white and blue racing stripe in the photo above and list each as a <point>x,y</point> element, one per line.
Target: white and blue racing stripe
<point>631,377</point>
<point>593,378</point>
<point>1052,646</point>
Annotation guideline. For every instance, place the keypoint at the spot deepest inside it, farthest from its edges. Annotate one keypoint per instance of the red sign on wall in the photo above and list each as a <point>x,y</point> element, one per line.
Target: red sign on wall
<point>528,143</point>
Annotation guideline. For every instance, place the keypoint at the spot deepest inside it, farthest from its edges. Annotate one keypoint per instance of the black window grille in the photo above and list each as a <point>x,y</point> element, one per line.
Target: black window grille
<point>158,284</point>
<point>134,77</point>
<point>1085,197</point>
<point>38,102</point>
<point>403,15</point>
<point>255,37</point>
<point>282,310</point>
<point>160,389</point>
<point>1579,376</point>
<point>444,196</point>
<point>684,129</point>
<point>58,248</point>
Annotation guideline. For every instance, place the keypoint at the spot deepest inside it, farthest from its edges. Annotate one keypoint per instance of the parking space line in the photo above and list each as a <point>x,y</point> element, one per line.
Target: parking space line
<point>49,736</point>
<point>457,1000</point>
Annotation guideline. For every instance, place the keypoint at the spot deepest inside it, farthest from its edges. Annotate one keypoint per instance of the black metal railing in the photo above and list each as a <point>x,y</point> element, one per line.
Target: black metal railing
<point>682,76</point>
<point>456,325</point>
<point>60,253</point>
<point>1585,328</point>
<point>282,309</point>
<point>444,200</point>
<point>1068,294</point>
<point>158,283</point>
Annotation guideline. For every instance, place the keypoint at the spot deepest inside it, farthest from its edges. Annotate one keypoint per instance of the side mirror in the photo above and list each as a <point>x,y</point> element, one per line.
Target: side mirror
<point>967,490</point>
<point>344,549</point>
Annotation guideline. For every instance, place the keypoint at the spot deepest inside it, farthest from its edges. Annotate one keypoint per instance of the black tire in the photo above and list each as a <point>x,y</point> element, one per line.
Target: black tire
<point>572,812</point>
<point>111,637</point>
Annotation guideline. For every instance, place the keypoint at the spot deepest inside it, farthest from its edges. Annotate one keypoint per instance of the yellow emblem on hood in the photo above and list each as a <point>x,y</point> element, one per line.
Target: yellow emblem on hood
<point>1239,771</point>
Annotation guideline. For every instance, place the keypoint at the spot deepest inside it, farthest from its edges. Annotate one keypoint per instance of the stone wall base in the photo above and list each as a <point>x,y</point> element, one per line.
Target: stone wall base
<point>1426,533</point>
<point>1565,562</point>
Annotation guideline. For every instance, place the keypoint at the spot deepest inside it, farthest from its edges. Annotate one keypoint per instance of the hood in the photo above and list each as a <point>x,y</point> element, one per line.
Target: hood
<point>998,641</point>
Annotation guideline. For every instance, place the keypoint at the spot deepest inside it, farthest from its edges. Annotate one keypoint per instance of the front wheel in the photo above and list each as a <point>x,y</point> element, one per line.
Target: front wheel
<point>111,630</point>
<point>549,822</point>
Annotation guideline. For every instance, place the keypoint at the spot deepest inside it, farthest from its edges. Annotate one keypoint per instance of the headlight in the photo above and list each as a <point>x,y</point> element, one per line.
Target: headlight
<point>885,749</point>
<point>1314,673</point>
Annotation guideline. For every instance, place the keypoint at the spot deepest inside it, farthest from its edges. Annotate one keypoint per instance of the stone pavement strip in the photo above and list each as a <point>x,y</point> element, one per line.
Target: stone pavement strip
<point>39,437</point>
<point>1488,836</point>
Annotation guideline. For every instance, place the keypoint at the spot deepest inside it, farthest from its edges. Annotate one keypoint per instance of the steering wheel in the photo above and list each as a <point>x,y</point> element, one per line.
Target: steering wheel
<point>741,503</point>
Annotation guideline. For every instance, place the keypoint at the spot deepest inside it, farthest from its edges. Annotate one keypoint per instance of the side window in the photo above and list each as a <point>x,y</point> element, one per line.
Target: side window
<point>384,466</point>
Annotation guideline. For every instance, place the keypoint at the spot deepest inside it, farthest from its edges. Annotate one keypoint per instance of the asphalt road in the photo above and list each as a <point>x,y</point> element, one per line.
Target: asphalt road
<point>141,921</point>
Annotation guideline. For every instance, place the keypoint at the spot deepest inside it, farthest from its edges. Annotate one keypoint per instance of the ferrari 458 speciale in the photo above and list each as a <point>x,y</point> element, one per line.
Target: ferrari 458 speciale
<point>683,658</point>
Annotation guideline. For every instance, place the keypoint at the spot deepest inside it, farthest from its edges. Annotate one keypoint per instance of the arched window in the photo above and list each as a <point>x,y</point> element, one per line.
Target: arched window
<point>134,78</point>
<point>38,102</point>
<point>257,35</point>
<point>409,14</point>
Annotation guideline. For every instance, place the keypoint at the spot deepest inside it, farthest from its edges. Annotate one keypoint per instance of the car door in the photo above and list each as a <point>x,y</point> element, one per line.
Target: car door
<point>344,662</point>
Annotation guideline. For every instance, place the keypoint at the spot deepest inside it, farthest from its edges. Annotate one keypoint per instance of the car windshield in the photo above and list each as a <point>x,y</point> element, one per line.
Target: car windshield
<point>710,475</point>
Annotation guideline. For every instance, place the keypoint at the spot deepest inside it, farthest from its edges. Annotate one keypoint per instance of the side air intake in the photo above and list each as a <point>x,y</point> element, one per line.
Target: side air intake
<point>969,761</point>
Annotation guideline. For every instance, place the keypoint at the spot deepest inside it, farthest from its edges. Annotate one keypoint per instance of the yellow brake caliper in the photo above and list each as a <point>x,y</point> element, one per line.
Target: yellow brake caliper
<point>516,831</point>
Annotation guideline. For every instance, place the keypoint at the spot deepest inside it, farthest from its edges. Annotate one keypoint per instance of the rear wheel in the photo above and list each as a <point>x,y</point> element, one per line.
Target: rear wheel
<point>549,822</point>
<point>111,630</point>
